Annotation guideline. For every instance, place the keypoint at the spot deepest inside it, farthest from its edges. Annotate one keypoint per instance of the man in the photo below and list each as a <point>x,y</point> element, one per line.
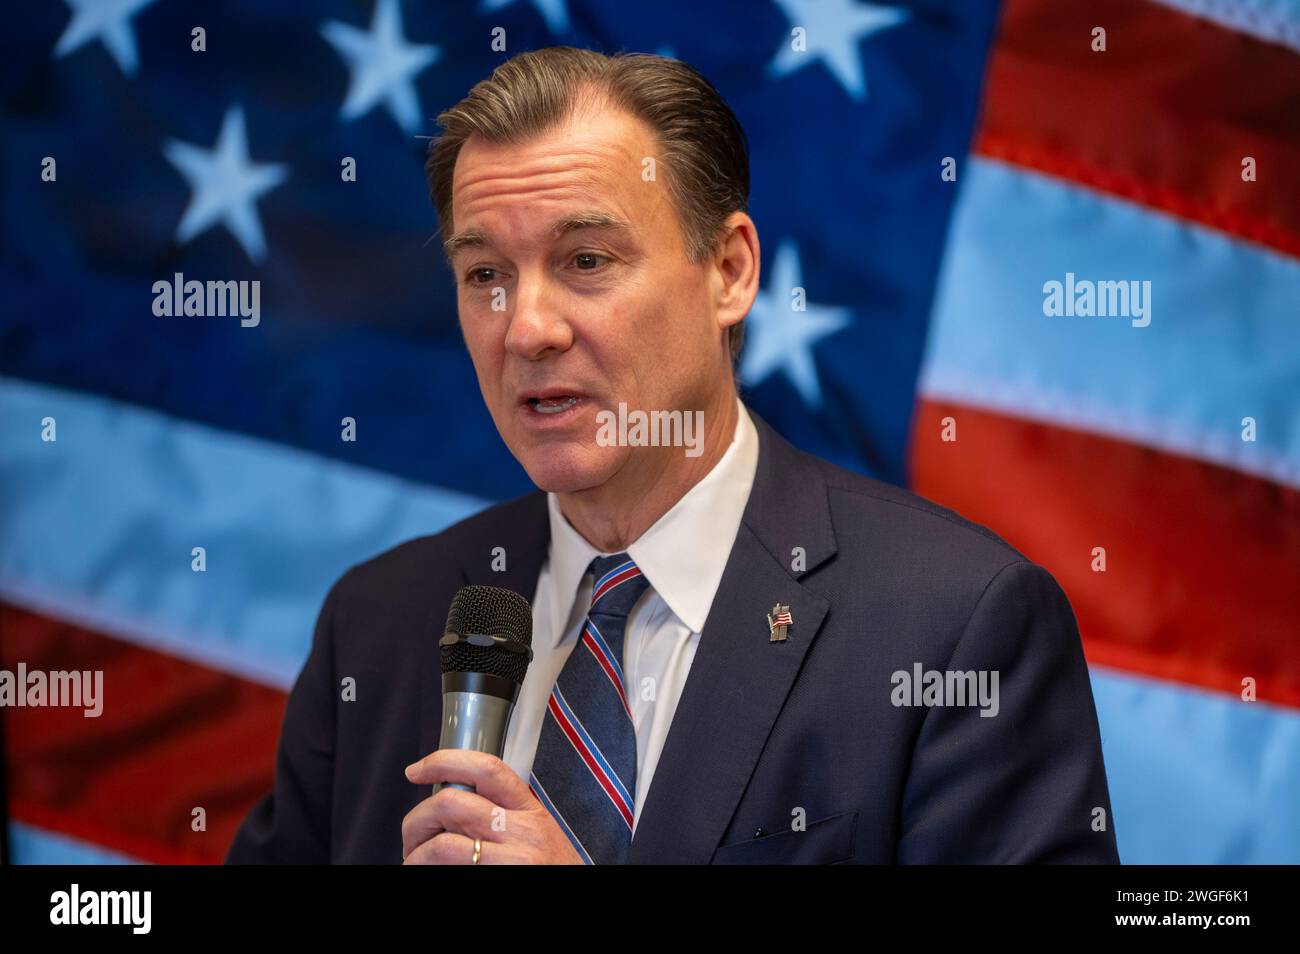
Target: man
<point>743,654</point>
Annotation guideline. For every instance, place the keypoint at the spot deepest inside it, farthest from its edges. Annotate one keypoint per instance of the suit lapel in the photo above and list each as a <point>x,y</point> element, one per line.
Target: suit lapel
<point>739,678</point>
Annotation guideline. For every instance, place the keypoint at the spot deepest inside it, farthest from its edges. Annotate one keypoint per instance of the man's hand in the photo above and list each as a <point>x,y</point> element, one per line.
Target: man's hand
<point>502,812</point>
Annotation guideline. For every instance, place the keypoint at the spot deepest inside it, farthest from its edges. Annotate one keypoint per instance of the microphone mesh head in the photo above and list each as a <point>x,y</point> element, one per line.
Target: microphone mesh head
<point>488,611</point>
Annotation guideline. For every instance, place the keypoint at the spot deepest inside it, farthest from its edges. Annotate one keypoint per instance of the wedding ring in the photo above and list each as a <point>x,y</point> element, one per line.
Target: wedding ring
<point>478,850</point>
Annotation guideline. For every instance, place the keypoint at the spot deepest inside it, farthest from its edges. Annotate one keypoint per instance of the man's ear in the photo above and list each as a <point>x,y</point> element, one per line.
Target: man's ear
<point>736,267</point>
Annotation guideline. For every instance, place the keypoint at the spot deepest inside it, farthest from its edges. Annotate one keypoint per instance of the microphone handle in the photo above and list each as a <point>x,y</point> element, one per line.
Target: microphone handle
<point>474,720</point>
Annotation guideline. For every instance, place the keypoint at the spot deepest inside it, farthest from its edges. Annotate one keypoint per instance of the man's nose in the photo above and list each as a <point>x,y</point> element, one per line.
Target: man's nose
<point>537,324</point>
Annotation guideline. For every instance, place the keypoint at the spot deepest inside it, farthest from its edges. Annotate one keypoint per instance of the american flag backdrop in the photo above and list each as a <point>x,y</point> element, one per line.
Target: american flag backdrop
<point>923,170</point>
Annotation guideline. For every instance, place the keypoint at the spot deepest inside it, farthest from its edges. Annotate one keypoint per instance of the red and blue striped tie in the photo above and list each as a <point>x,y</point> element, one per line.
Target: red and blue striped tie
<point>584,771</point>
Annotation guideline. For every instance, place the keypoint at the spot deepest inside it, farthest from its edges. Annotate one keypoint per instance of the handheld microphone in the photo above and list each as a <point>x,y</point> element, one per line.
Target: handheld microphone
<point>485,650</point>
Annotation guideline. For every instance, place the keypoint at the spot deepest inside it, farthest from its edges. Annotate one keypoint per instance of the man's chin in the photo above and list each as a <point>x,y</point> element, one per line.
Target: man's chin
<point>561,472</point>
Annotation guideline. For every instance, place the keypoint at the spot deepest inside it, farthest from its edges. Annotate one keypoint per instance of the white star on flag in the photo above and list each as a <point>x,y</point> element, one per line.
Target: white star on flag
<point>107,20</point>
<point>383,64</point>
<point>226,185</point>
<point>779,338</point>
<point>833,30</point>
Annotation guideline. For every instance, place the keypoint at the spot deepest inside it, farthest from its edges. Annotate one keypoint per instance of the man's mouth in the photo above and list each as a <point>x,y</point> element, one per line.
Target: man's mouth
<point>553,405</point>
<point>551,402</point>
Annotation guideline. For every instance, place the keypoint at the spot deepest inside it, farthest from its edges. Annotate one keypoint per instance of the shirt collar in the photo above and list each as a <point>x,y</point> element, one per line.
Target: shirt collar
<point>684,552</point>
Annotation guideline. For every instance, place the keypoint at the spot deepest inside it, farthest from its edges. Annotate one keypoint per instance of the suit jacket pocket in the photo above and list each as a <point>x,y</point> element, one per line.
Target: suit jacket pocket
<point>826,841</point>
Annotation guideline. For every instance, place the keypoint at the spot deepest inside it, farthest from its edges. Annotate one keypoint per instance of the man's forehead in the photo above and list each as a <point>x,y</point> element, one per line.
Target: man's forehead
<point>583,168</point>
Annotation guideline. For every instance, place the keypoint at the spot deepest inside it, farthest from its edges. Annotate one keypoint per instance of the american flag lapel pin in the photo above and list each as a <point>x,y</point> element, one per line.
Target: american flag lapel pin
<point>779,622</point>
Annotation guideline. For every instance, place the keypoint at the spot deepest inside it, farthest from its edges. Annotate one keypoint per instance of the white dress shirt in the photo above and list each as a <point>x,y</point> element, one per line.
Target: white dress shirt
<point>682,556</point>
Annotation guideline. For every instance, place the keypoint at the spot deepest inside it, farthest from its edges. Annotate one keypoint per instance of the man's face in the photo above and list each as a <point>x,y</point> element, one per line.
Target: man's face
<point>592,316</point>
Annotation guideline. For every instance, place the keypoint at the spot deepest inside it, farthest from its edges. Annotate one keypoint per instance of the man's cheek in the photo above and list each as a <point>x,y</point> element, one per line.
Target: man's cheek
<point>481,352</point>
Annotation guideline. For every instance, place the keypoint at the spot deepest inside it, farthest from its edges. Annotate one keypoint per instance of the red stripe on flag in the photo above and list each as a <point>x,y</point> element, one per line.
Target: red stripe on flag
<point>173,736</point>
<point>1202,584</point>
<point>1163,117</point>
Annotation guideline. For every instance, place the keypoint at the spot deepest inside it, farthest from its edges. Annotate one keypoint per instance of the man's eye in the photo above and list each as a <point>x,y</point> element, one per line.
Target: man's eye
<point>478,272</point>
<point>592,257</point>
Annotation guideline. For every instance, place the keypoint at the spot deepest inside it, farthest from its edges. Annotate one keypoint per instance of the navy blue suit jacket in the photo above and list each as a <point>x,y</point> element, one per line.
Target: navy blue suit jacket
<point>766,734</point>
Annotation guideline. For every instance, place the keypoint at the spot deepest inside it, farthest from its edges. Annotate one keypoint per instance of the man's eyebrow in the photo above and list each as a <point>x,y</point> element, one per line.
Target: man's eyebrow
<point>591,219</point>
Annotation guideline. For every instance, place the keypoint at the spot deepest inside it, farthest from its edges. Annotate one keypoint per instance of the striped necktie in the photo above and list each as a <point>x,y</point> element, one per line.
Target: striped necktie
<point>584,771</point>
